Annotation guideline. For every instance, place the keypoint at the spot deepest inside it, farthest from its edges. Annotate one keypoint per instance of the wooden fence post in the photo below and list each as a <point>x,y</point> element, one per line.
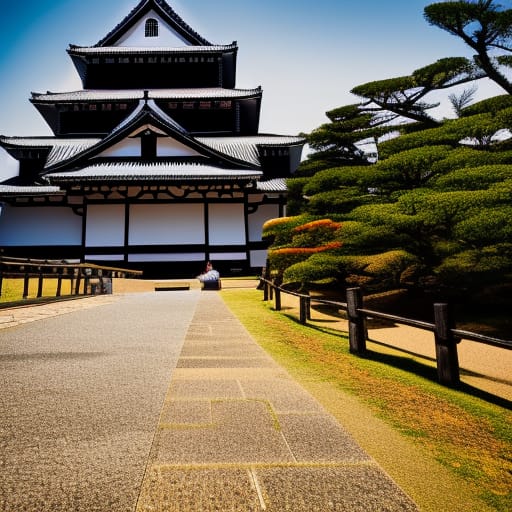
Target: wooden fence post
<point>266,276</point>
<point>446,346</point>
<point>40,284</point>
<point>87,281</point>
<point>78,282</point>
<point>26,281</point>
<point>303,311</point>
<point>59,283</point>
<point>277,294</point>
<point>356,321</point>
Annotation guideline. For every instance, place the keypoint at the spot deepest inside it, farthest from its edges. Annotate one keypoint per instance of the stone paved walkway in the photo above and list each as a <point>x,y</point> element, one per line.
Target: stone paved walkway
<point>236,433</point>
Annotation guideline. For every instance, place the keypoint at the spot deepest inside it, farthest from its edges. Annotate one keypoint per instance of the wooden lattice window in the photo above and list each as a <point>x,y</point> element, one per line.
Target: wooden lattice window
<point>151,28</point>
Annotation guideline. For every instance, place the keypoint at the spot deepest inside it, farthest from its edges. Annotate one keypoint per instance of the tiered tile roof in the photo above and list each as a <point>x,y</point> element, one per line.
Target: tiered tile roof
<point>82,159</point>
<point>275,185</point>
<point>246,148</point>
<point>240,148</point>
<point>121,50</point>
<point>151,171</point>
<point>33,190</point>
<point>137,94</point>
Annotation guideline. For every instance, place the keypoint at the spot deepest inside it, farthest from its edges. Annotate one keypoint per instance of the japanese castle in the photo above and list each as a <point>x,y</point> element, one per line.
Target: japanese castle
<point>156,164</point>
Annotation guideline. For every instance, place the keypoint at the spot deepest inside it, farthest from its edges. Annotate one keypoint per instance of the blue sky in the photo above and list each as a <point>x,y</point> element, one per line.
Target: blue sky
<point>306,55</point>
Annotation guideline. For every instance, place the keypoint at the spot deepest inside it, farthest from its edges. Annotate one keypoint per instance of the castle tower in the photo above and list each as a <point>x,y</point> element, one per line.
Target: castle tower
<point>156,164</point>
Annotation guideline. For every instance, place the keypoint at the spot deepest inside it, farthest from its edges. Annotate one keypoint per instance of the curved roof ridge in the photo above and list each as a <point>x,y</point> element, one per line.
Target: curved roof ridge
<point>166,11</point>
<point>164,117</point>
<point>147,106</point>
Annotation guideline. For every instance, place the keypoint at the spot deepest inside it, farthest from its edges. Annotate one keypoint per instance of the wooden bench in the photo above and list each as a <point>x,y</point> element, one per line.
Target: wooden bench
<point>162,287</point>
<point>212,284</point>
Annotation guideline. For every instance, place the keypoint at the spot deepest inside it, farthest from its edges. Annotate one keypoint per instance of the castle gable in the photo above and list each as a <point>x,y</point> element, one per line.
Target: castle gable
<point>151,30</point>
<point>155,21</point>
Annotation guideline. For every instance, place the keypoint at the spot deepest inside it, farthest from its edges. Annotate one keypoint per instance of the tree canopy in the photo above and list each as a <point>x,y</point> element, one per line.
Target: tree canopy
<point>434,212</point>
<point>485,27</point>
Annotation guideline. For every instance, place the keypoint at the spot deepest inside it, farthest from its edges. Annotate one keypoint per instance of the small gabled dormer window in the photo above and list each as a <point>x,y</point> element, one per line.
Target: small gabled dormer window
<point>151,28</point>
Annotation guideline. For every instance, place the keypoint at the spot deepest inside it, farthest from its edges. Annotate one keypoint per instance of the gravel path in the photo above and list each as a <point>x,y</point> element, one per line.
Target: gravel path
<point>81,395</point>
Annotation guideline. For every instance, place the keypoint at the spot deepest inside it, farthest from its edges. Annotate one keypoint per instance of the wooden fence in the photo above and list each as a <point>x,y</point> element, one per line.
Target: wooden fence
<point>83,278</point>
<point>446,336</point>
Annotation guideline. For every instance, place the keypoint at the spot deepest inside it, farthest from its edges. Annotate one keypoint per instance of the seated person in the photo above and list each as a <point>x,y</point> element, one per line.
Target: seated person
<point>209,274</point>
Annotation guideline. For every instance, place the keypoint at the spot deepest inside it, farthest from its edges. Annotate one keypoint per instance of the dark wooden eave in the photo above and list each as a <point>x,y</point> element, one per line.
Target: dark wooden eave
<point>26,150</point>
<point>57,109</point>
<point>135,67</point>
<point>168,14</point>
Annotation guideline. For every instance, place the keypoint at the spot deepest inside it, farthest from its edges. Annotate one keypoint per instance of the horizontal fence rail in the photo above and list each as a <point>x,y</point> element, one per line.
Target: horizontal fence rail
<point>446,336</point>
<point>83,278</point>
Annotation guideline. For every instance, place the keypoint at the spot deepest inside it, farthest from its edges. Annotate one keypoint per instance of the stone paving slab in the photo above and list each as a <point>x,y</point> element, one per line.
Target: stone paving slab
<point>274,488</point>
<point>236,433</point>
<point>356,488</point>
<point>205,389</point>
<point>284,395</point>
<point>184,490</point>
<point>220,349</point>
<point>186,412</point>
<point>248,374</point>
<point>319,438</point>
<point>241,431</point>
<point>223,362</point>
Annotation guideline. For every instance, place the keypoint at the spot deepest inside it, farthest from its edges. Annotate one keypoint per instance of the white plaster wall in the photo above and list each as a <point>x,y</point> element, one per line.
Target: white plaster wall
<point>104,257</point>
<point>228,256</point>
<point>127,147</point>
<point>258,258</point>
<point>259,217</point>
<point>167,146</point>
<point>136,36</point>
<point>37,225</point>
<point>149,257</point>
<point>166,224</point>
<point>9,167</point>
<point>295,157</point>
<point>104,225</point>
<point>227,224</point>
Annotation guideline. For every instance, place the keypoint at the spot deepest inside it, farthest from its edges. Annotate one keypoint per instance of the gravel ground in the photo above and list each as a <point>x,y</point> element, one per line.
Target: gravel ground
<point>81,395</point>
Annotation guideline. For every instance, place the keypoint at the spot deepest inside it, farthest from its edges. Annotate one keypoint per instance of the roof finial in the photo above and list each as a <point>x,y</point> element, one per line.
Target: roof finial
<point>146,96</point>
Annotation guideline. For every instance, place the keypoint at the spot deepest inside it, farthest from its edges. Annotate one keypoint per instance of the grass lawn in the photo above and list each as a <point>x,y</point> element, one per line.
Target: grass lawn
<point>12,289</point>
<point>462,442</point>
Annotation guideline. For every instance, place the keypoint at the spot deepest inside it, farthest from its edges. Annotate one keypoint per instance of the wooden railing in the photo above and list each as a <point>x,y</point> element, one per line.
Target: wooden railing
<point>83,278</point>
<point>446,336</point>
